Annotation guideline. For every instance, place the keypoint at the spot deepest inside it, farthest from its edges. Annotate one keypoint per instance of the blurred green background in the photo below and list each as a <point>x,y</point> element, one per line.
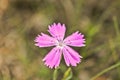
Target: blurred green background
<point>22,20</point>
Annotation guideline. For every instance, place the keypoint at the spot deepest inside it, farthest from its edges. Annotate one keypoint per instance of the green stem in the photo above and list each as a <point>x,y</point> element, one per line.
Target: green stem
<point>55,74</point>
<point>106,70</point>
<point>116,25</point>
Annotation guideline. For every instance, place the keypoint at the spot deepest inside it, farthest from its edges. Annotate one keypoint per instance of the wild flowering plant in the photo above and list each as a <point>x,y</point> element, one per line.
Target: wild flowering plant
<point>61,46</point>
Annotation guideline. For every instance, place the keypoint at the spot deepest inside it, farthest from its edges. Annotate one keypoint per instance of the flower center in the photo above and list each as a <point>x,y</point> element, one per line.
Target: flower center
<point>60,44</point>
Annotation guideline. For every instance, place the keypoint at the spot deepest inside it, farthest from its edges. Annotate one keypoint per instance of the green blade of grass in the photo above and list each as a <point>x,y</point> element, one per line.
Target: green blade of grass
<point>106,70</point>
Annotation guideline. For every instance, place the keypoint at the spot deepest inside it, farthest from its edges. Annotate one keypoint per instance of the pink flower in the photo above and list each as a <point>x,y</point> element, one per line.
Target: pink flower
<point>57,31</point>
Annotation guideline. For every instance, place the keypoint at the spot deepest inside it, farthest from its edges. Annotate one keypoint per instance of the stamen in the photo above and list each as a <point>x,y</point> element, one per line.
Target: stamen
<point>60,44</point>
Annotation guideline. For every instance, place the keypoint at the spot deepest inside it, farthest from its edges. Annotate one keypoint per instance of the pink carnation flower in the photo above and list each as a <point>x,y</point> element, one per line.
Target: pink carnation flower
<point>57,31</point>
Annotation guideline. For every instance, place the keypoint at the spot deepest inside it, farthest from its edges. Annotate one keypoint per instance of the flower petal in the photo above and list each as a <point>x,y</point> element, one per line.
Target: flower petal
<point>57,31</point>
<point>52,59</point>
<point>71,56</point>
<point>44,40</point>
<point>66,58</point>
<point>76,39</point>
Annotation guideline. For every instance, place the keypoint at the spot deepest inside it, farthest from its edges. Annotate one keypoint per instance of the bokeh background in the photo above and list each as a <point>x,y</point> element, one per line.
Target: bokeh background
<point>22,20</point>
